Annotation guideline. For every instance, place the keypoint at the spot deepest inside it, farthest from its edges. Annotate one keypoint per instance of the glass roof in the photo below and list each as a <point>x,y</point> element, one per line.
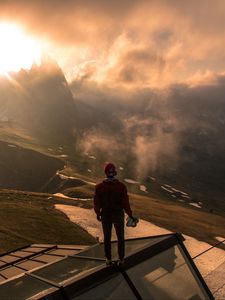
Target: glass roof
<point>31,257</point>
<point>68,268</point>
<point>115,288</point>
<point>166,276</point>
<point>131,246</point>
<point>24,287</point>
<point>153,266</point>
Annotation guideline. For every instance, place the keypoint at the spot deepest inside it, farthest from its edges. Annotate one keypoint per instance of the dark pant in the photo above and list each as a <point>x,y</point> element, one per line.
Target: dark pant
<point>107,231</point>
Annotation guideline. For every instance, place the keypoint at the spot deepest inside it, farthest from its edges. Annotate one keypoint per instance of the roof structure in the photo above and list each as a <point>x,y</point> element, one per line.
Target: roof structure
<point>157,267</point>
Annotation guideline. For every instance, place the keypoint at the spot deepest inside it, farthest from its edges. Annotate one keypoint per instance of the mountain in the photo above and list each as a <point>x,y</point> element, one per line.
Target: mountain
<point>38,101</point>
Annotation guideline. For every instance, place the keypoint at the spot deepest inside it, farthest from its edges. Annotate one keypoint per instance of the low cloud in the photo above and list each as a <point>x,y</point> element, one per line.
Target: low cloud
<point>155,130</point>
<point>96,141</point>
<point>134,43</point>
<point>156,153</point>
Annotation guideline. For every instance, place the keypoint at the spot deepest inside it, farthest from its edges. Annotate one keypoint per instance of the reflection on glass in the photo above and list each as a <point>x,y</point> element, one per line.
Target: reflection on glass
<point>67,268</point>
<point>114,288</point>
<point>166,276</point>
<point>130,247</point>
<point>23,288</point>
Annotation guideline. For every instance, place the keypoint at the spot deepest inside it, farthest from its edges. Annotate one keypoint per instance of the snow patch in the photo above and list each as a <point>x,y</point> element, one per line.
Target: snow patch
<point>167,185</point>
<point>143,188</point>
<point>176,190</point>
<point>220,238</point>
<point>12,146</point>
<point>166,189</point>
<point>62,176</point>
<point>60,195</point>
<point>91,156</point>
<point>186,197</point>
<point>131,181</point>
<point>195,204</point>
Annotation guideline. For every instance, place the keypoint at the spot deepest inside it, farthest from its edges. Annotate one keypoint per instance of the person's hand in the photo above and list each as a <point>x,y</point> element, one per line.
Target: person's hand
<point>99,218</point>
<point>134,218</point>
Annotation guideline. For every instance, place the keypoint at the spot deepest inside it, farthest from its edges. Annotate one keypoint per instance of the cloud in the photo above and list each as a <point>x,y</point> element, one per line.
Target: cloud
<point>69,21</point>
<point>147,43</point>
<point>155,154</point>
<point>156,131</point>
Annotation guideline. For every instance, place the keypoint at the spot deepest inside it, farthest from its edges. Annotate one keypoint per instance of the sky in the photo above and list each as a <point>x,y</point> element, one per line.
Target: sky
<point>129,43</point>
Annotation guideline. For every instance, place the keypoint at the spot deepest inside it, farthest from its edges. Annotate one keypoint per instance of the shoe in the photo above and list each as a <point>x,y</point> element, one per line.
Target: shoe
<point>120,262</point>
<point>108,262</point>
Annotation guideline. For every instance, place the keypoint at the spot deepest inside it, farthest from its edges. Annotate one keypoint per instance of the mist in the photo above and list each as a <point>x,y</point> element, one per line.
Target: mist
<point>164,132</point>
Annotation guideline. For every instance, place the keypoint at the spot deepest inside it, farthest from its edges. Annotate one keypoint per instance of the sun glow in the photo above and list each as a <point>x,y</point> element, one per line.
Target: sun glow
<point>17,49</point>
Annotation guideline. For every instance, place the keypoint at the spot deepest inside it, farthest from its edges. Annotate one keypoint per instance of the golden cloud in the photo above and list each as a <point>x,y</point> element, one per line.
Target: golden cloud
<point>134,43</point>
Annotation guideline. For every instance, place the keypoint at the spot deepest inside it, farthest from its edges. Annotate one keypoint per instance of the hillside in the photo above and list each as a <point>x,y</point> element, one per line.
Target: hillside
<point>25,169</point>
<point>27,218</point>
<point>161,204</point>
<point>169,213</point>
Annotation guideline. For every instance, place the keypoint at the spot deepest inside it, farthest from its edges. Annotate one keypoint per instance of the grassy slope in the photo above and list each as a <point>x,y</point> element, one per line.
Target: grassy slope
<point>178,217</point>
<point>27,218</point>
<point>174,216</point>
<point>31,218</point>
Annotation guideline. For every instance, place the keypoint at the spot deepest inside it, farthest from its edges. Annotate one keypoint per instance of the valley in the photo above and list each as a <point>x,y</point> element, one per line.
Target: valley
<point>54,141</point>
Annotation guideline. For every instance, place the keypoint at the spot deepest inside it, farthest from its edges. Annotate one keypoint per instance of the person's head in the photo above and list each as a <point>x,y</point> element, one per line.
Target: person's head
<point>110,170</point>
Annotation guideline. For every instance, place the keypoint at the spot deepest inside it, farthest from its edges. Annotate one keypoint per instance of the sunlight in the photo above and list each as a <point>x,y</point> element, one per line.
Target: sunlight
<point>18,50</point>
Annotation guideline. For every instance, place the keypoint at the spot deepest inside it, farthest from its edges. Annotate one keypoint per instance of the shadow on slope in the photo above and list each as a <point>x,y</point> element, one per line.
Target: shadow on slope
<point>25,169</point>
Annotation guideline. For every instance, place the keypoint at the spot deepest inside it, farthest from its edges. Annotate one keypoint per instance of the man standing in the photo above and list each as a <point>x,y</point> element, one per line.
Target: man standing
<point>110,202</point>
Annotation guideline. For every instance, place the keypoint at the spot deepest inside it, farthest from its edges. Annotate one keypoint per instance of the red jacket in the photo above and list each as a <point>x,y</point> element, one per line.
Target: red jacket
<point>111,196</point>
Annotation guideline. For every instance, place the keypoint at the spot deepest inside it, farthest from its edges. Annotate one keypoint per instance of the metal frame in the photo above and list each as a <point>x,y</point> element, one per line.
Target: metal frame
<point>199,276</point>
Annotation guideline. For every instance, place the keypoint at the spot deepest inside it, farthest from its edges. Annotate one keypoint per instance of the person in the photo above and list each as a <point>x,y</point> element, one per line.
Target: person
<point>110,202</point>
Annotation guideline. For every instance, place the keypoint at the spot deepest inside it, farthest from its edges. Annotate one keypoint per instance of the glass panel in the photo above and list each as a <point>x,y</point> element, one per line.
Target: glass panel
<point>46,258</point>
<point>21,253</point>
<point>75,247</point>
<point>63,252</point>
<point>131,246</point>
<point>11,272</point>
<point>35,249</point>
<point>67,268</point>
<point>23,288</point>
<point>45,246</point>
<point>114,288</point>
<point>9,258</point>
<point>2,263</point>
<point>30,264</point>
<point>166,276</point>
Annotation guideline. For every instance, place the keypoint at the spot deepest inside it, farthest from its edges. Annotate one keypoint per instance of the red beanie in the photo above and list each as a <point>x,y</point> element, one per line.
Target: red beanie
<point>110,169</point>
